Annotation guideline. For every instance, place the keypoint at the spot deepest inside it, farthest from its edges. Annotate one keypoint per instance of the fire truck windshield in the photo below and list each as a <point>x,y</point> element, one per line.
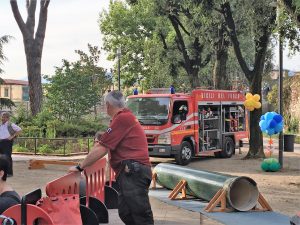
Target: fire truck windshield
<point>150,111</point>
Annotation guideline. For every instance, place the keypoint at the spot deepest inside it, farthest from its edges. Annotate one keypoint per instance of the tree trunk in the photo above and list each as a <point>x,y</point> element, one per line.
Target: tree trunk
<point>256,149</point>
<point>220,70</point>
<point>33,44</point>
<point>254,76</point>
<point>35,82</point>
<point>220,77</point>
<point>195,79</point>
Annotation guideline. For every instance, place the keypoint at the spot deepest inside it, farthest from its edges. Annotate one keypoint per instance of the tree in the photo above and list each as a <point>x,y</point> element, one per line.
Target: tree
<point>62,93</point>
<point>89,63</point>
<point>33,44</point>
<point>154,44</point>
<point>3,40</point>
<point>128,27</point>
<point>64,99</point>
<point>220,46</point>
<point>190,22</point>
<point>293,7</point>
<point>4,102</point>
<point>262,27</point>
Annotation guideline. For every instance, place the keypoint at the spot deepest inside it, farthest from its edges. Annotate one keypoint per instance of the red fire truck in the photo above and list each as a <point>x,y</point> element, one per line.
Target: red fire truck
<point>202,123</point>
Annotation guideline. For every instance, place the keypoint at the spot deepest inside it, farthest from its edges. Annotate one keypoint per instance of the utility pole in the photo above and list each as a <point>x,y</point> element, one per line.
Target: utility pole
<point>119,67</point>
<point>280,88</point>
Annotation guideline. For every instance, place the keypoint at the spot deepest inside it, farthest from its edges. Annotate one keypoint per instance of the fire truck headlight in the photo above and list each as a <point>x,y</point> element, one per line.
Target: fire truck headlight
<point>164,138</point>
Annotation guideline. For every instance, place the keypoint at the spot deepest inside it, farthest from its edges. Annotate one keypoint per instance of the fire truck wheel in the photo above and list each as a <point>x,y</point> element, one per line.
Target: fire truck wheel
<point>228,148</point>
<point>184,155</point>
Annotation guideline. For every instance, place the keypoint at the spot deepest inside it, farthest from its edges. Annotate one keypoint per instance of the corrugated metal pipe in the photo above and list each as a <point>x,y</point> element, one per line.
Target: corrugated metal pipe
<point>242,192</point>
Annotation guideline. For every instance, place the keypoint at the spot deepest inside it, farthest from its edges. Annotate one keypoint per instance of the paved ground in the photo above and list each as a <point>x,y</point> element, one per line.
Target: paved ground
<point>164,214</point>
<point>25,180</point>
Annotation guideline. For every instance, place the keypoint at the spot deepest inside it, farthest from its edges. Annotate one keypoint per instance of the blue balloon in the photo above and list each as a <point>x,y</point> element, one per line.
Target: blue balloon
<point>263,125</point>
<point>269,115</point>
<point>279,127</point>
<point>277,118</point>
<point>270,131</point>
<point>272,123</point>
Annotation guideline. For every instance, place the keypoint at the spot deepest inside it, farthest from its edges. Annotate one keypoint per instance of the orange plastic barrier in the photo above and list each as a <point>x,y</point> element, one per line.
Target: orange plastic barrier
<point>34,213</point>
<point>95,180</point>
<point>27,212</point>
<point>68,184</point>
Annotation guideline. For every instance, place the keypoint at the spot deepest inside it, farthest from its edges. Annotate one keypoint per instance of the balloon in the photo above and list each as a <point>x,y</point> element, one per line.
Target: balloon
<point>270,131</point>
<point>249,96</point>
<point>279,127</point>
<point>257,105</point>
<point>264,166</point>
<point>274,167</point>
<point>269,116</point>
<point>246,103</point>
<point>256,97</point>
<point>272,123</point>
<point>263,125</point>
<point>278,118</point>
<point>270,164</point>
<point>252,102</point>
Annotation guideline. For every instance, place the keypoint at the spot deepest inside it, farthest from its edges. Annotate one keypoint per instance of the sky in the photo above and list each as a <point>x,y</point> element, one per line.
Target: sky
<point>72,24</point>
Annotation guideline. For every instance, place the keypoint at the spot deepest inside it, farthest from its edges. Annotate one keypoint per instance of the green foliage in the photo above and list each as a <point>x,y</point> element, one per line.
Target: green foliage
<point>76,87</point>
<point>64,99</point>
<point>19,148</point>
<point>291,123</point>
<point>45,149</point>
<point>3,40</point>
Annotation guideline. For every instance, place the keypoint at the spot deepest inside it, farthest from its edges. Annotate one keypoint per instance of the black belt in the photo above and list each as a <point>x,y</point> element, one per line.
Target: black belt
<point>2,140</point>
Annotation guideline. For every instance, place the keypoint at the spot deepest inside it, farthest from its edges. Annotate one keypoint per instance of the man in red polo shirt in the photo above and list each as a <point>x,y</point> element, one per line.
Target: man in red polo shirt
<point>126,142</point>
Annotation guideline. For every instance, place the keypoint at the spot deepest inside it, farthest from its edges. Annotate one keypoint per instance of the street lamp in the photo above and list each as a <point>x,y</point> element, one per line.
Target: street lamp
<point>280,90</point>
<point>280,83</point>
<point>119,65</point>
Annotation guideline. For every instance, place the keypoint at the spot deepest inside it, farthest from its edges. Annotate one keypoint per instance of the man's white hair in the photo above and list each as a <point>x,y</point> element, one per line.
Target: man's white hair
<point>7,114</point>
<point>115,99</point>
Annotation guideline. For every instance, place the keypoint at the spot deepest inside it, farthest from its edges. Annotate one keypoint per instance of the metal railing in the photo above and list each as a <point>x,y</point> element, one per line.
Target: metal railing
<point>53,146</point>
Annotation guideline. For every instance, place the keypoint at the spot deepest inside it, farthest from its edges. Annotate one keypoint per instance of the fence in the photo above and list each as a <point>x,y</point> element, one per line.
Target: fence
<point>53,146</point>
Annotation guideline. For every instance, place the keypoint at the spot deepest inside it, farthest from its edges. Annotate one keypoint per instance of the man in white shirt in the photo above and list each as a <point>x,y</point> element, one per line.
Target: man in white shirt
<point>8,131</point>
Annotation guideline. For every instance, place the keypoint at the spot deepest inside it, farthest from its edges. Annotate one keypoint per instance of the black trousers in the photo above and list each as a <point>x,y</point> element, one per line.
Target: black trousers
<point>6,149</point>
<point>133,203</point>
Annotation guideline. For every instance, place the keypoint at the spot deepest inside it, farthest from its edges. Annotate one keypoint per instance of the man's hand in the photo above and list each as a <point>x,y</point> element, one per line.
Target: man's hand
<point>73,169</point>
<point>11,137</point>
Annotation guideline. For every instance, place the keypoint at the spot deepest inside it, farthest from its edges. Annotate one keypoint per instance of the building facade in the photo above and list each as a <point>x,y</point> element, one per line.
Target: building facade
<point>15,90</point>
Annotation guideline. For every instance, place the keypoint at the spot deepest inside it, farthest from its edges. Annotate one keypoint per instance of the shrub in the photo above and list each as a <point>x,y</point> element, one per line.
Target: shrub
<point>44,149</point>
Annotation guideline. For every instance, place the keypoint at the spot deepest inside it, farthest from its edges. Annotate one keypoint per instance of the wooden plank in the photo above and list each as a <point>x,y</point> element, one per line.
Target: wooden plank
<point>39,164</point>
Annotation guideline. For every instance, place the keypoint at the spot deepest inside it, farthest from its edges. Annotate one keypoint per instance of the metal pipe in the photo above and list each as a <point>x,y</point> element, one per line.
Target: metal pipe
<point>242,192</point>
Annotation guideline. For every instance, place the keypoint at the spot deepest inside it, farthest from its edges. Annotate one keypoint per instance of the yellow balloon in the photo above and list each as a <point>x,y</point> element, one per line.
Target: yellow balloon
<point>248,96</point>
<point>257,105</point>
<point>246,103</point>
<point>256,97</point>
<point>251,103</point>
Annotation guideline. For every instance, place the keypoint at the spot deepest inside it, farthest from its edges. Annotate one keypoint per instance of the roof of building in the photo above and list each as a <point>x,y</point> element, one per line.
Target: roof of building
<point>16,82</point>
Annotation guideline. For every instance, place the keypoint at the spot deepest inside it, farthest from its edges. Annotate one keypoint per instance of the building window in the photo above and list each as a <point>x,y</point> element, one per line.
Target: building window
<point>25,93</point>
<point>6,92</point>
